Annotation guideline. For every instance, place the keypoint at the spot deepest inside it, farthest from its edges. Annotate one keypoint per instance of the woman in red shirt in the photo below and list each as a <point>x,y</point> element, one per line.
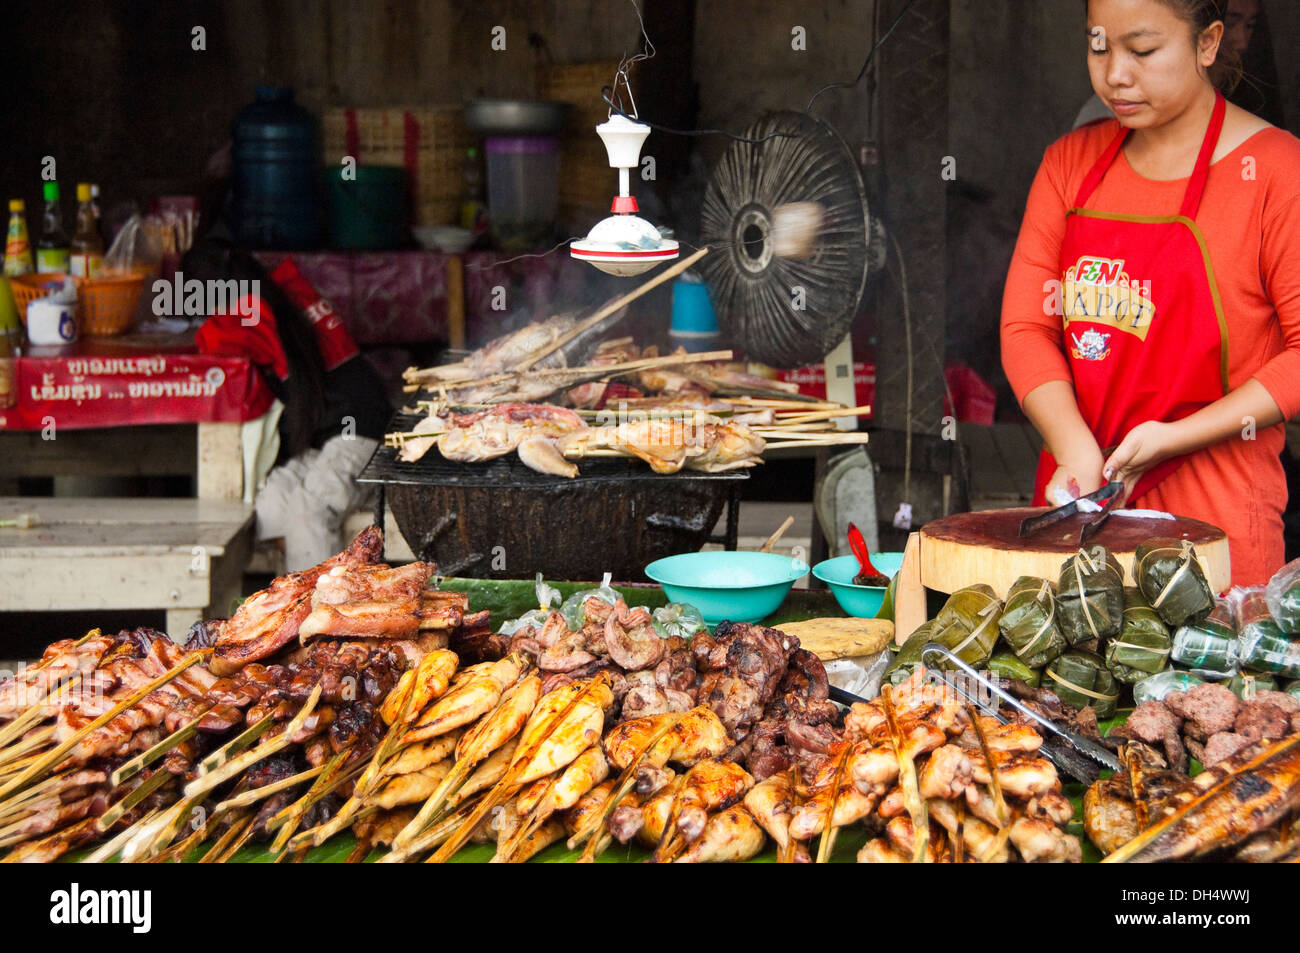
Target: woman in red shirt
<point>1151,321</point>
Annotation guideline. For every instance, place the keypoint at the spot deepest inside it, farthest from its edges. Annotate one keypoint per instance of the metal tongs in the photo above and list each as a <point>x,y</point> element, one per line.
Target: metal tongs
<point>1107,498</point>
<point>1084,746</point>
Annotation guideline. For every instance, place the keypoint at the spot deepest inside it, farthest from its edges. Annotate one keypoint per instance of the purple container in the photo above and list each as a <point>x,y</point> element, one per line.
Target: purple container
<point>523,177</point>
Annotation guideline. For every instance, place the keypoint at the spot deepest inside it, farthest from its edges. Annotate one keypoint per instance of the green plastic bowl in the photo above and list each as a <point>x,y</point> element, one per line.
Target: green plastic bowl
<point>728,585</point>
<point>861,601</point>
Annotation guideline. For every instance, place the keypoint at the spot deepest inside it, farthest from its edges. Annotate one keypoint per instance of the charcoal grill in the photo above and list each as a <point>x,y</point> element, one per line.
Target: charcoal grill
<point>501,520</point>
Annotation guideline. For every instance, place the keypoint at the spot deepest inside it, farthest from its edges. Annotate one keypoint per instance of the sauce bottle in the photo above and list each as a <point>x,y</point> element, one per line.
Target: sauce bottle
<point>18,249</point>
<point>86,254</point>
<point>52,249</point>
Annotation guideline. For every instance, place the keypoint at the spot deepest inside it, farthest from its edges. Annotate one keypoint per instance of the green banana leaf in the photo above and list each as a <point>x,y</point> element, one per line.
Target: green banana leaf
<point>1170,576</point>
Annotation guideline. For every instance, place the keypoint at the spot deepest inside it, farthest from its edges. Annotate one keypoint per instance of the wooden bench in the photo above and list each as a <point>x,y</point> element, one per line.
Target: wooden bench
<point>184,556</point>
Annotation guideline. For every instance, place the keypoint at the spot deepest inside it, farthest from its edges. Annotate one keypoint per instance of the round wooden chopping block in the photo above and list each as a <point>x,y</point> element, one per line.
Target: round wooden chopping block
<point>968,548</point>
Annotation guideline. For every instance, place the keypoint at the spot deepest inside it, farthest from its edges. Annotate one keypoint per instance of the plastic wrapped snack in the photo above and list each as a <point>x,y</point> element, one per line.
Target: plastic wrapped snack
<point>908,658</point>
<point>680,619</point>
<point>1209,647</point>
<point>1157,687</point>
<point>1142,647</point>
<point>1004,664</point>
<point>1170,576</point>
<point>968,625</point>
<point>1247,686</point>
<point>533,617</point>
<point>574,608</point>
<point>1080,678</point>
<point>1090,596</point>
<point>1283,596</point>
<point>1029,624</point>
<point>1261,643</point>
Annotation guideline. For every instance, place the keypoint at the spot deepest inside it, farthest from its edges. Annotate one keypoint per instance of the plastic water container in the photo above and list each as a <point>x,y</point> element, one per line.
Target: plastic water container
<point>694,323</point>
<point>275,201</point>
<point>523,174</point>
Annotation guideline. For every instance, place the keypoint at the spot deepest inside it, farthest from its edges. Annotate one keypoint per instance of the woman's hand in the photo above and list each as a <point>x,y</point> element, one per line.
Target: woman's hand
<point>1142,448</point>
<point>1075,478</point>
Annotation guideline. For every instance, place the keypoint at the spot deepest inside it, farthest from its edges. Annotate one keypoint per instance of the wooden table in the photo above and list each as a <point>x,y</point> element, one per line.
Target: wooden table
<point>184,556</point>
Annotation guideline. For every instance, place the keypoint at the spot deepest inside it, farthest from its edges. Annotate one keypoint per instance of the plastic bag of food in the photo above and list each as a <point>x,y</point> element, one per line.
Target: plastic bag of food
<point>574,608</point>
<point>1090,596</point>
<point>1245,686</point>
<point>1283,596</point>
<point>968,625</point>
<point>1029,624</point>
<point>1142,647</point>
<point>1170,576</point>
<point>908,658</point>
<point>1080,678</point>
<point>1261,644</point>
<point>138,247</point>
<point>1209,647</point>
<point>534,617</point>
<point>1156,687</point>
<point>1004,664</point>
<point>677,619</point>
<point>547,596</point>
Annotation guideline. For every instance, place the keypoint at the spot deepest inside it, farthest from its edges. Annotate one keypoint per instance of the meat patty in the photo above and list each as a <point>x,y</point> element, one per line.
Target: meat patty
<point>1208,709</point>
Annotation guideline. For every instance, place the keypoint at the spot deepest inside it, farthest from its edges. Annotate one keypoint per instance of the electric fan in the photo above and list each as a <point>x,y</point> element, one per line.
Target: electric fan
<point>792,239</point>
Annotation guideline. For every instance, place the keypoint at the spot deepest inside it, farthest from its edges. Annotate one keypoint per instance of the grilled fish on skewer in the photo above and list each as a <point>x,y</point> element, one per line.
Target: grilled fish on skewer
<point>468,701</point>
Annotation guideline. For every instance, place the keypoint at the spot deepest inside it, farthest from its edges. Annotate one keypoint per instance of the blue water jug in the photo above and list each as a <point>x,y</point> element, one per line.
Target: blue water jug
<point>275,188</point>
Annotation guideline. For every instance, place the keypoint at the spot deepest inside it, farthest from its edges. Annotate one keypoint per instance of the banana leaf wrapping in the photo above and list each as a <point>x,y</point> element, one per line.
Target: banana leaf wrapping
<point>1004,664</point>
<point>1246,686</point>
<point>1080,678</point>
<point>1142,647</point>
<point>908,658</point>
<point>1170,576</point>
<point>1157,687</point>
<point>1209,647</point>
<point>1261,643</point>
<point>1283,596</point>
<point>968,625</point>
<point>1029,622</point>
<point>1090,596</point>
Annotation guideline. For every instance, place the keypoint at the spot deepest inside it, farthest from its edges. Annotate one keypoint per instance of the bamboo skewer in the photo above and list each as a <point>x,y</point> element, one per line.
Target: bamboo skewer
<point>615,305</point>
<point>34,713</point>
<point>141,761</point>
<point>507,785</point>
<point>237,827</point>
<point>18,754</point>
<point>142,791</point>
<point>60,751</point>
<point>237,744</point>
<point>253,795</point>
<point>242,762</point>
<point>434,835</point>
<point>113,846</point>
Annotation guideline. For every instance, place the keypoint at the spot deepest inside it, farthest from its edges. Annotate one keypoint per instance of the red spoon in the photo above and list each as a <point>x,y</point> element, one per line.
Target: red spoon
<point>869,575</point>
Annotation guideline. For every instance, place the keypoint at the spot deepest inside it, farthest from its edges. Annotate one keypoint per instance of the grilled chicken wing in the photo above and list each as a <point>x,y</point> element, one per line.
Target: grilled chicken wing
<point>431,678</point>
<point>468,701</point>
<point>730,835</point>
<point>575,732</point>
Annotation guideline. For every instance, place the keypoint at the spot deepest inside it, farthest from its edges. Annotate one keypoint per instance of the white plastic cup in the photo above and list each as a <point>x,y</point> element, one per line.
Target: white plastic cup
<point>51,323</point>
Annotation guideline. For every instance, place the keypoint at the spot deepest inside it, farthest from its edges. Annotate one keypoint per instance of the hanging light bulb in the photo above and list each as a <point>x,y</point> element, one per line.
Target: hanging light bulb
<point>624,243</point>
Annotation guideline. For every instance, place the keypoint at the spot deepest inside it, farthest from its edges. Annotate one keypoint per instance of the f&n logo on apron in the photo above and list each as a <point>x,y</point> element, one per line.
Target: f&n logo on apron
<point>1099,291</point>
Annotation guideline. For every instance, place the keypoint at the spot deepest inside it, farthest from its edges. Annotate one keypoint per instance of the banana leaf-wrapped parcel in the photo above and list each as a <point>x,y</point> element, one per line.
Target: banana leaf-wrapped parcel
<point>1080,678</point>
<point>1090,596</point>
<point>1261,643</point>
<point>1170,576</point>
<point>1209,647</point>
<point>1004,664</point>
<point>1283,596</point>
<point>968,625</point>
<point>1029,622</point>
<point>1157,687</point>
<point>1143,644</point>
<point>908,658</point>
<point>1246,686</point>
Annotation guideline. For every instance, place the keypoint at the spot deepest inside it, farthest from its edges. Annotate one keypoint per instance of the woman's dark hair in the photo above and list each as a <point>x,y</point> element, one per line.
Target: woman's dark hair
<point>303,394</point>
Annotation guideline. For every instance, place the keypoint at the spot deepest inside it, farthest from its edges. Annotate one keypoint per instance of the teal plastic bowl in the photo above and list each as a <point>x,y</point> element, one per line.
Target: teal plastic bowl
<point>861,601</point>
<point>727,585</point>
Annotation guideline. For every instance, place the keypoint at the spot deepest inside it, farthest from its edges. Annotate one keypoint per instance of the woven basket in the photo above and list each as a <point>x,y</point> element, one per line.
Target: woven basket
<point>428,141</point>
<point>587,183</point>
<point>105,306</point>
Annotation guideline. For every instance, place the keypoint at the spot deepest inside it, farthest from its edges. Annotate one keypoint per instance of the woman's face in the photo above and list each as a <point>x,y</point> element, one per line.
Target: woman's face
<point>1241,21</point>
<point>1143,60</point>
